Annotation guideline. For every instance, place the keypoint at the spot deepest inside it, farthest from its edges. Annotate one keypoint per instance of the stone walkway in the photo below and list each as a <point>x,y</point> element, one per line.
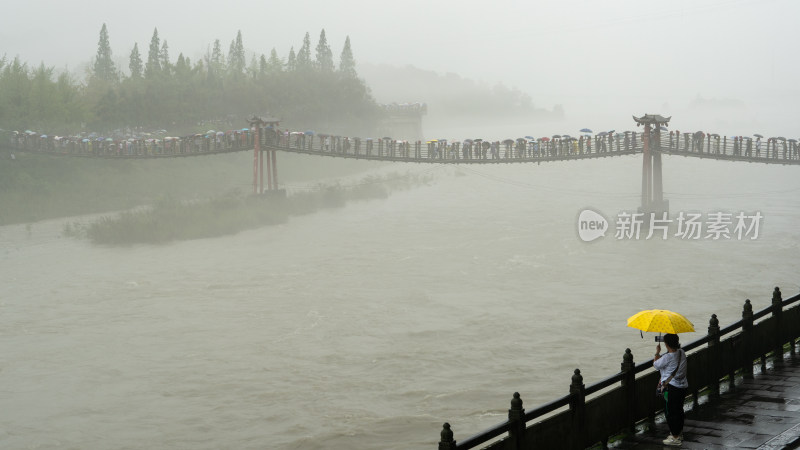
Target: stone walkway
<point>761,413</point>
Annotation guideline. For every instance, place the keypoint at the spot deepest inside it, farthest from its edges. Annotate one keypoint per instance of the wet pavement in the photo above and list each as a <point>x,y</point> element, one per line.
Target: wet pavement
<point>760,413</point>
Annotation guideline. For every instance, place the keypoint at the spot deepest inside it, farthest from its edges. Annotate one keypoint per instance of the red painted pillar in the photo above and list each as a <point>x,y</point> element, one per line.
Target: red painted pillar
<point>256,150</point>
<point>260,161</point>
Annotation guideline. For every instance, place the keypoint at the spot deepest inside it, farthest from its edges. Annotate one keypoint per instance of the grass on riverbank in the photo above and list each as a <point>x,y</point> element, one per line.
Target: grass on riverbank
<point>170,219</point>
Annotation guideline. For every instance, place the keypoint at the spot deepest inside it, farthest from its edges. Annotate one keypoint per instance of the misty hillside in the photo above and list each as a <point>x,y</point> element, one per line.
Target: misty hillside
<point>449,95</point>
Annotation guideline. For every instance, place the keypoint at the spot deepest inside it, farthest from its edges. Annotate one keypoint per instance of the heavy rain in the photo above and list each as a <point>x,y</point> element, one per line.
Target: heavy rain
<point>341,224</point>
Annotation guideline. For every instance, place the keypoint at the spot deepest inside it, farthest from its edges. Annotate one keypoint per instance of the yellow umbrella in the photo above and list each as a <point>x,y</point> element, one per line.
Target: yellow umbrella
<point>660,321</point>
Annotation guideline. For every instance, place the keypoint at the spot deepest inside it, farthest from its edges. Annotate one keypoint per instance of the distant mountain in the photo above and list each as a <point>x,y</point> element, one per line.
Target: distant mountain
<point>450,95</point>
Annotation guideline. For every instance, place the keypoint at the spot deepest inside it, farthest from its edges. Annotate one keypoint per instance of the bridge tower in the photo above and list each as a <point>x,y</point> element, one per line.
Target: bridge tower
<point>652,186</point>
<point>264,130</point>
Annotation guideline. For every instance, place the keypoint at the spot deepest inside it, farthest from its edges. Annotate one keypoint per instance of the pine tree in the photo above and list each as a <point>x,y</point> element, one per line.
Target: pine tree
<point>253,68</point>
<point>275,65</point>
<point>304,54</point>
<point>135,64</point>
<point>103,64</point>
<point>291,62</point>
<point>236,57</point>
<point>347,65</point>
<point>182,66</point>
<point>153,66</point>
<point>216,63</point>
<point>263,66</point>
<point>324,54</point>
<point>163,58</point>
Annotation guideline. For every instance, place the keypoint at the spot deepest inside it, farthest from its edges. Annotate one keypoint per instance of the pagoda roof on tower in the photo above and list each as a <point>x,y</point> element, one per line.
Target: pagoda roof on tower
<point>652,119</point>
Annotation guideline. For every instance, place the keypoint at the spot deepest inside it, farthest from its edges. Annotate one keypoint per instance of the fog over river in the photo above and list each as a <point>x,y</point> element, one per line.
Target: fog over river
<point>370,325</point>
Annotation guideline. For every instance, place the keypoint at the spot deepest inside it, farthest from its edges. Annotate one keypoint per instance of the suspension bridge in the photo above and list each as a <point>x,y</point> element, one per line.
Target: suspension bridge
<point>265,138</point>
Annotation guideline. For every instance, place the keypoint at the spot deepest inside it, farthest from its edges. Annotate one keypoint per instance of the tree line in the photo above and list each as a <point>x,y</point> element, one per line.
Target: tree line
<point>158,91</point>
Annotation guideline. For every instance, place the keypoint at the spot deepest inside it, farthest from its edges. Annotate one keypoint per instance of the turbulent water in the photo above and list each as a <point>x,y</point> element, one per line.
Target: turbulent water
<point>370,325</point>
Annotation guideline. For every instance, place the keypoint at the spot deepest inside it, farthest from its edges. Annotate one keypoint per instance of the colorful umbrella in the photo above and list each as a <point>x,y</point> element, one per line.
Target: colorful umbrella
<point>660,321</point>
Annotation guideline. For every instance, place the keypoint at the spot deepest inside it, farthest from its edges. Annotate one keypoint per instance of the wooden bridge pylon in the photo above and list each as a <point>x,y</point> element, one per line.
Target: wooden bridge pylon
<point>262,126</point>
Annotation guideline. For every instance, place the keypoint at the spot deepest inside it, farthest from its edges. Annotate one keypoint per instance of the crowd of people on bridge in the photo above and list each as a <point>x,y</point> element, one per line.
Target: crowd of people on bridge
<point>158,144</point>
<point>736,146</point>
<point>557,146</point>
<point>150,144</point>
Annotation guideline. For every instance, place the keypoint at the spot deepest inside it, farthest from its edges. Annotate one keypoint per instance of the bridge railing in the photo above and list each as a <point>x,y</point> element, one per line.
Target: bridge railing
<point>770,150</point>
<point>155,147</point>
<point>773,149</point>
<point>385,149</point>
<point>613,406</point>
<point>477,150</point>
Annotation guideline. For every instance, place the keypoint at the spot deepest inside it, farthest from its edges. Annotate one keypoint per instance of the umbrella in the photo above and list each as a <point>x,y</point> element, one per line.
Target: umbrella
<point>210,132</point>
<point>758,135</point>
<point>603,133</point>
<point>585,130</point>
<point>660,321</point>
<point>309,133</point>
<point>508,141</point>
<point>545,139</point>
<point>792,140</point>
<point>556,136</point>
<point>530,137</point>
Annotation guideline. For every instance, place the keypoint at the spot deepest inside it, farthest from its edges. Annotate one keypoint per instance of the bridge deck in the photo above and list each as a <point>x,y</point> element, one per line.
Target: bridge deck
<point>432,152</point>
<point>760,413</point>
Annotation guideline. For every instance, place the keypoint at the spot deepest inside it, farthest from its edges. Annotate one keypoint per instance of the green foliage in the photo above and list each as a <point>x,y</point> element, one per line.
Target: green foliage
<point>104,68</point>
<point>33,99</point>
<point>304,55</point>
<point>324,54</point>
<point>160,94</point>
<point>135,64</point>
<point>347,64</point>
<point>236,57</point>
<point>153,67</point>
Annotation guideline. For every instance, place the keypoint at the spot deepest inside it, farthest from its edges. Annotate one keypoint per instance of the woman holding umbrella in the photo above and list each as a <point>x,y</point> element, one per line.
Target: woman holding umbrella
<point>672,366</point>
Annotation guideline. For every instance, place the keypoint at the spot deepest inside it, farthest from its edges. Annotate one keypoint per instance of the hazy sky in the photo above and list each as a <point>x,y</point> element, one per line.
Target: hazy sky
<point>630,56</point>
